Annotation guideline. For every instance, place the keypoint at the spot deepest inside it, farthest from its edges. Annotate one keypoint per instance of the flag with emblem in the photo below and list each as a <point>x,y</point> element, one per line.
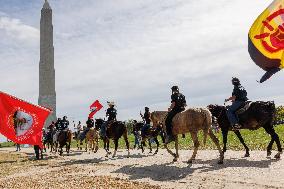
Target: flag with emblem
<point>20,121</point>
<point>266,39</point>
<point>94,108</point>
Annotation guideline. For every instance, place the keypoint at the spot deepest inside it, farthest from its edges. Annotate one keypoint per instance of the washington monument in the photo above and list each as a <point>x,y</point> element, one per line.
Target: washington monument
<point>47,94</point>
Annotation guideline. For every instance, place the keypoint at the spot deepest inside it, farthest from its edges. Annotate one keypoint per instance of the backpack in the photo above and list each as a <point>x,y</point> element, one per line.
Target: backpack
<point>243,93</point>
<point>182,101</point>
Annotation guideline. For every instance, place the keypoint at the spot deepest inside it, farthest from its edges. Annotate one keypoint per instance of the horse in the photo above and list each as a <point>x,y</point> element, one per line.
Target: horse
<point>64,139</point>
<point>92,140</point>
<point>114,131</point>
<point>259,114</point>
<point>151,133</point>
<point>189,121</point>
<point>77,138</point>
<point>48,139</point>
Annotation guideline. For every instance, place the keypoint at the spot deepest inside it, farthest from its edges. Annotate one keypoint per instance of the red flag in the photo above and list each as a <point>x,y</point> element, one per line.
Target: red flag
<point>21,121</point>
<point>94,108</point>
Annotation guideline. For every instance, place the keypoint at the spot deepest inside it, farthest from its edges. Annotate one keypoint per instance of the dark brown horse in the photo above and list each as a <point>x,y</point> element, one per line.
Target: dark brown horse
<point>259,114</point>
<point>150,133</point>
<point>64,139</point>
<point>114,131</point>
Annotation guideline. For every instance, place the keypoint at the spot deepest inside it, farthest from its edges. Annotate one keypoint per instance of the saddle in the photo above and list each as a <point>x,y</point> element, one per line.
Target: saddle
<point>244,107</point>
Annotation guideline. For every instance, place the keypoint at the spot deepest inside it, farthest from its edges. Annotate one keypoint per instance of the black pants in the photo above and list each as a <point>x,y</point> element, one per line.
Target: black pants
<point>169,120</point>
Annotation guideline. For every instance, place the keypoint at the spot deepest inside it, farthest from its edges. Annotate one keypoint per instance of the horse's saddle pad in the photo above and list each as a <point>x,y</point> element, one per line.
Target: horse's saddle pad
<point>244,108</point>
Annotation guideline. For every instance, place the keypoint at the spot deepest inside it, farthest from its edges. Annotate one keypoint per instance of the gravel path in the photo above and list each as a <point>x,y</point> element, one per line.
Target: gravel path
<point>149,171</point>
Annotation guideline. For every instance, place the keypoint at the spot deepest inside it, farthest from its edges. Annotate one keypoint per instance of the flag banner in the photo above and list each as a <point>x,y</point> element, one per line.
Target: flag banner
<point>266,39</point>
<point>20,121</point>
<point>94,108</point>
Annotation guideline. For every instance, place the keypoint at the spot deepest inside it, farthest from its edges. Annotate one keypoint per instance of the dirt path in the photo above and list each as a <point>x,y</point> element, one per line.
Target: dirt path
<point>146,170</point>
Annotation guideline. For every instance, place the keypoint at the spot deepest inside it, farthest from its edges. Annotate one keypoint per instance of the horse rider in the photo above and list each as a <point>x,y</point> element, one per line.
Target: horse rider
<point>64,123</point>
<point>58,124</point>
<point>238,98</point>
<point>178,104</point>
<point>51,126</point>
<point>136,135</point>
<point>146,120</point>
<point>111,117</point>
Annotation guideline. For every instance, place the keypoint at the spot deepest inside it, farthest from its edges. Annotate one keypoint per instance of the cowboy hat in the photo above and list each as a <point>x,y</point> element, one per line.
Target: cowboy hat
<point>111,103</point>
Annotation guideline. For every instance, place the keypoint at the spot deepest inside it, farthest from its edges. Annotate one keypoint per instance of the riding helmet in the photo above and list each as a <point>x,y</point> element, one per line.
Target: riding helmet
<point>235,81</point>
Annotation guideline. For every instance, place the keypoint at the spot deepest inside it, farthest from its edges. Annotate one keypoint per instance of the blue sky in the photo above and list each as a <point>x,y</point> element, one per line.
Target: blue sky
<point>132,52</point>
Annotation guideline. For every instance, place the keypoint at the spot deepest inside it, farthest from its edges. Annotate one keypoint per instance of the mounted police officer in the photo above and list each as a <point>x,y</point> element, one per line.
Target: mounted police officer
<point>58,124</point>
<point>178,104</point>
<point>111,117</point>
<point>64,123</point>
<point>238,98</point>
<point>147,121</point>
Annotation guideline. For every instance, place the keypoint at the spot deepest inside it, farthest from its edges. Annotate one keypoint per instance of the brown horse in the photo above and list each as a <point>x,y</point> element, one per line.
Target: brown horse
<point>92,140</point>
<point>190,121</point>
<point>114,131</point>
<point>64,139</point>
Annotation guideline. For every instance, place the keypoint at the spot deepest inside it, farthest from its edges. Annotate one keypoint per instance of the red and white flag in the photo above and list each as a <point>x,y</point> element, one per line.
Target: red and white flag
<point>94,108</point>
<point>20,121</point>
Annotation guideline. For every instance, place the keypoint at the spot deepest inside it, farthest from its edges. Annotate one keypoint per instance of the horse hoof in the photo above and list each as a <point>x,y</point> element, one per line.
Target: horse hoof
<point>277,156</point>
<point>189,161</point>
<point>150,152</point>
<point>175,160</point>
<point>220,162</point>
<point>269,153</point>
<point>155,152</point>
<point>247,155</point>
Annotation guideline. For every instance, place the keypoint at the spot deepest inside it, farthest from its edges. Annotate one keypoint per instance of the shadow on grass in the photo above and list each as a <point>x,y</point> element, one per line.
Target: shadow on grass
<point>170,172</point>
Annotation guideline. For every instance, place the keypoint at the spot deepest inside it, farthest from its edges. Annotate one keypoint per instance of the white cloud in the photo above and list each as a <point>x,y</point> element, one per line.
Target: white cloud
<point>17,30</point>
<point>133,51</point>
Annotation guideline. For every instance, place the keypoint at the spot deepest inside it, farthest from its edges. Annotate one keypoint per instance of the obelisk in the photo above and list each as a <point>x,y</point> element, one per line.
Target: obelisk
<point>47,94</point>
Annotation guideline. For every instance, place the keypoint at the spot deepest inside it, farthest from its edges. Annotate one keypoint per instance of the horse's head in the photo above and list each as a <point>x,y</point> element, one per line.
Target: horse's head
<point>216,110</point>
<point>158,118</point>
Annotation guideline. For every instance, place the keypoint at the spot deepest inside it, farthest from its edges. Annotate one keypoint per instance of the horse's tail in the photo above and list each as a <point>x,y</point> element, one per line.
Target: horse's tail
<point>206,125</point>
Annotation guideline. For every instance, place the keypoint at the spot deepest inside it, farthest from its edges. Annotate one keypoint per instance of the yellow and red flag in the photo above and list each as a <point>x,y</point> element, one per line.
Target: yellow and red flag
<point>266,39</point>
<point>21,121</point>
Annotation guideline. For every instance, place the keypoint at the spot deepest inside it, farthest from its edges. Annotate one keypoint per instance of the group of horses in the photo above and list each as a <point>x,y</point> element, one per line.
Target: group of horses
<point>252,116</point>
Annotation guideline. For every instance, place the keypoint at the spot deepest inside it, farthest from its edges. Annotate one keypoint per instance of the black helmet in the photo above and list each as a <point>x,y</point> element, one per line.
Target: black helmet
<point>146,109</point>
<point>235,81</point>
<point>65,117</point>
<point>175,88</point>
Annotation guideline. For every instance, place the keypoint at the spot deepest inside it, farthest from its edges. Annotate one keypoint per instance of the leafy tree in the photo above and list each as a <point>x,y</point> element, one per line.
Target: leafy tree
<point>279,116</point>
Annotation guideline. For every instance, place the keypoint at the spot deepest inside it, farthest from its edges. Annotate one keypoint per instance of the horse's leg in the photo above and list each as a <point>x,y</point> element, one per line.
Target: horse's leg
<point>158,144</point>
<point>150,145</point>
<point>96,144</point>
<point>274,137</point>
<point>170,152</point>
<point>176,147</point>
<point>216,142</point>
<point>225,139</point>
<point>243,142</point>
<point>127,143</point>
<point>196,145</point>
<point>115,147</point>
<point>162,136</point>
<point>86,141</point>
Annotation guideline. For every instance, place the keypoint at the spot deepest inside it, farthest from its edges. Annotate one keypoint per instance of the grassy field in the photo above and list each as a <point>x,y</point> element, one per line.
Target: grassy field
<point>256,140</point>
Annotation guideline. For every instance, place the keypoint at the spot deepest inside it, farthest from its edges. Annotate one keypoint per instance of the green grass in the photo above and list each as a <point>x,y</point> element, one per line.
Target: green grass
<point>255,140</point>
<point>7,144</point>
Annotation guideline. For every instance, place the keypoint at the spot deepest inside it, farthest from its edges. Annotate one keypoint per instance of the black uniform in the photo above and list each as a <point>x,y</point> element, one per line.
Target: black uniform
<point>180,104</point>
<point>111,113</point>
<point>147,117</point>
<point>58,124</point>
<point>64,124</point>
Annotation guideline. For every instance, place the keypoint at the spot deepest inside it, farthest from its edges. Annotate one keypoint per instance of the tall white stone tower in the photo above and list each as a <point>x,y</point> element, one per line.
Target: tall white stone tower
<point>47,94</point>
